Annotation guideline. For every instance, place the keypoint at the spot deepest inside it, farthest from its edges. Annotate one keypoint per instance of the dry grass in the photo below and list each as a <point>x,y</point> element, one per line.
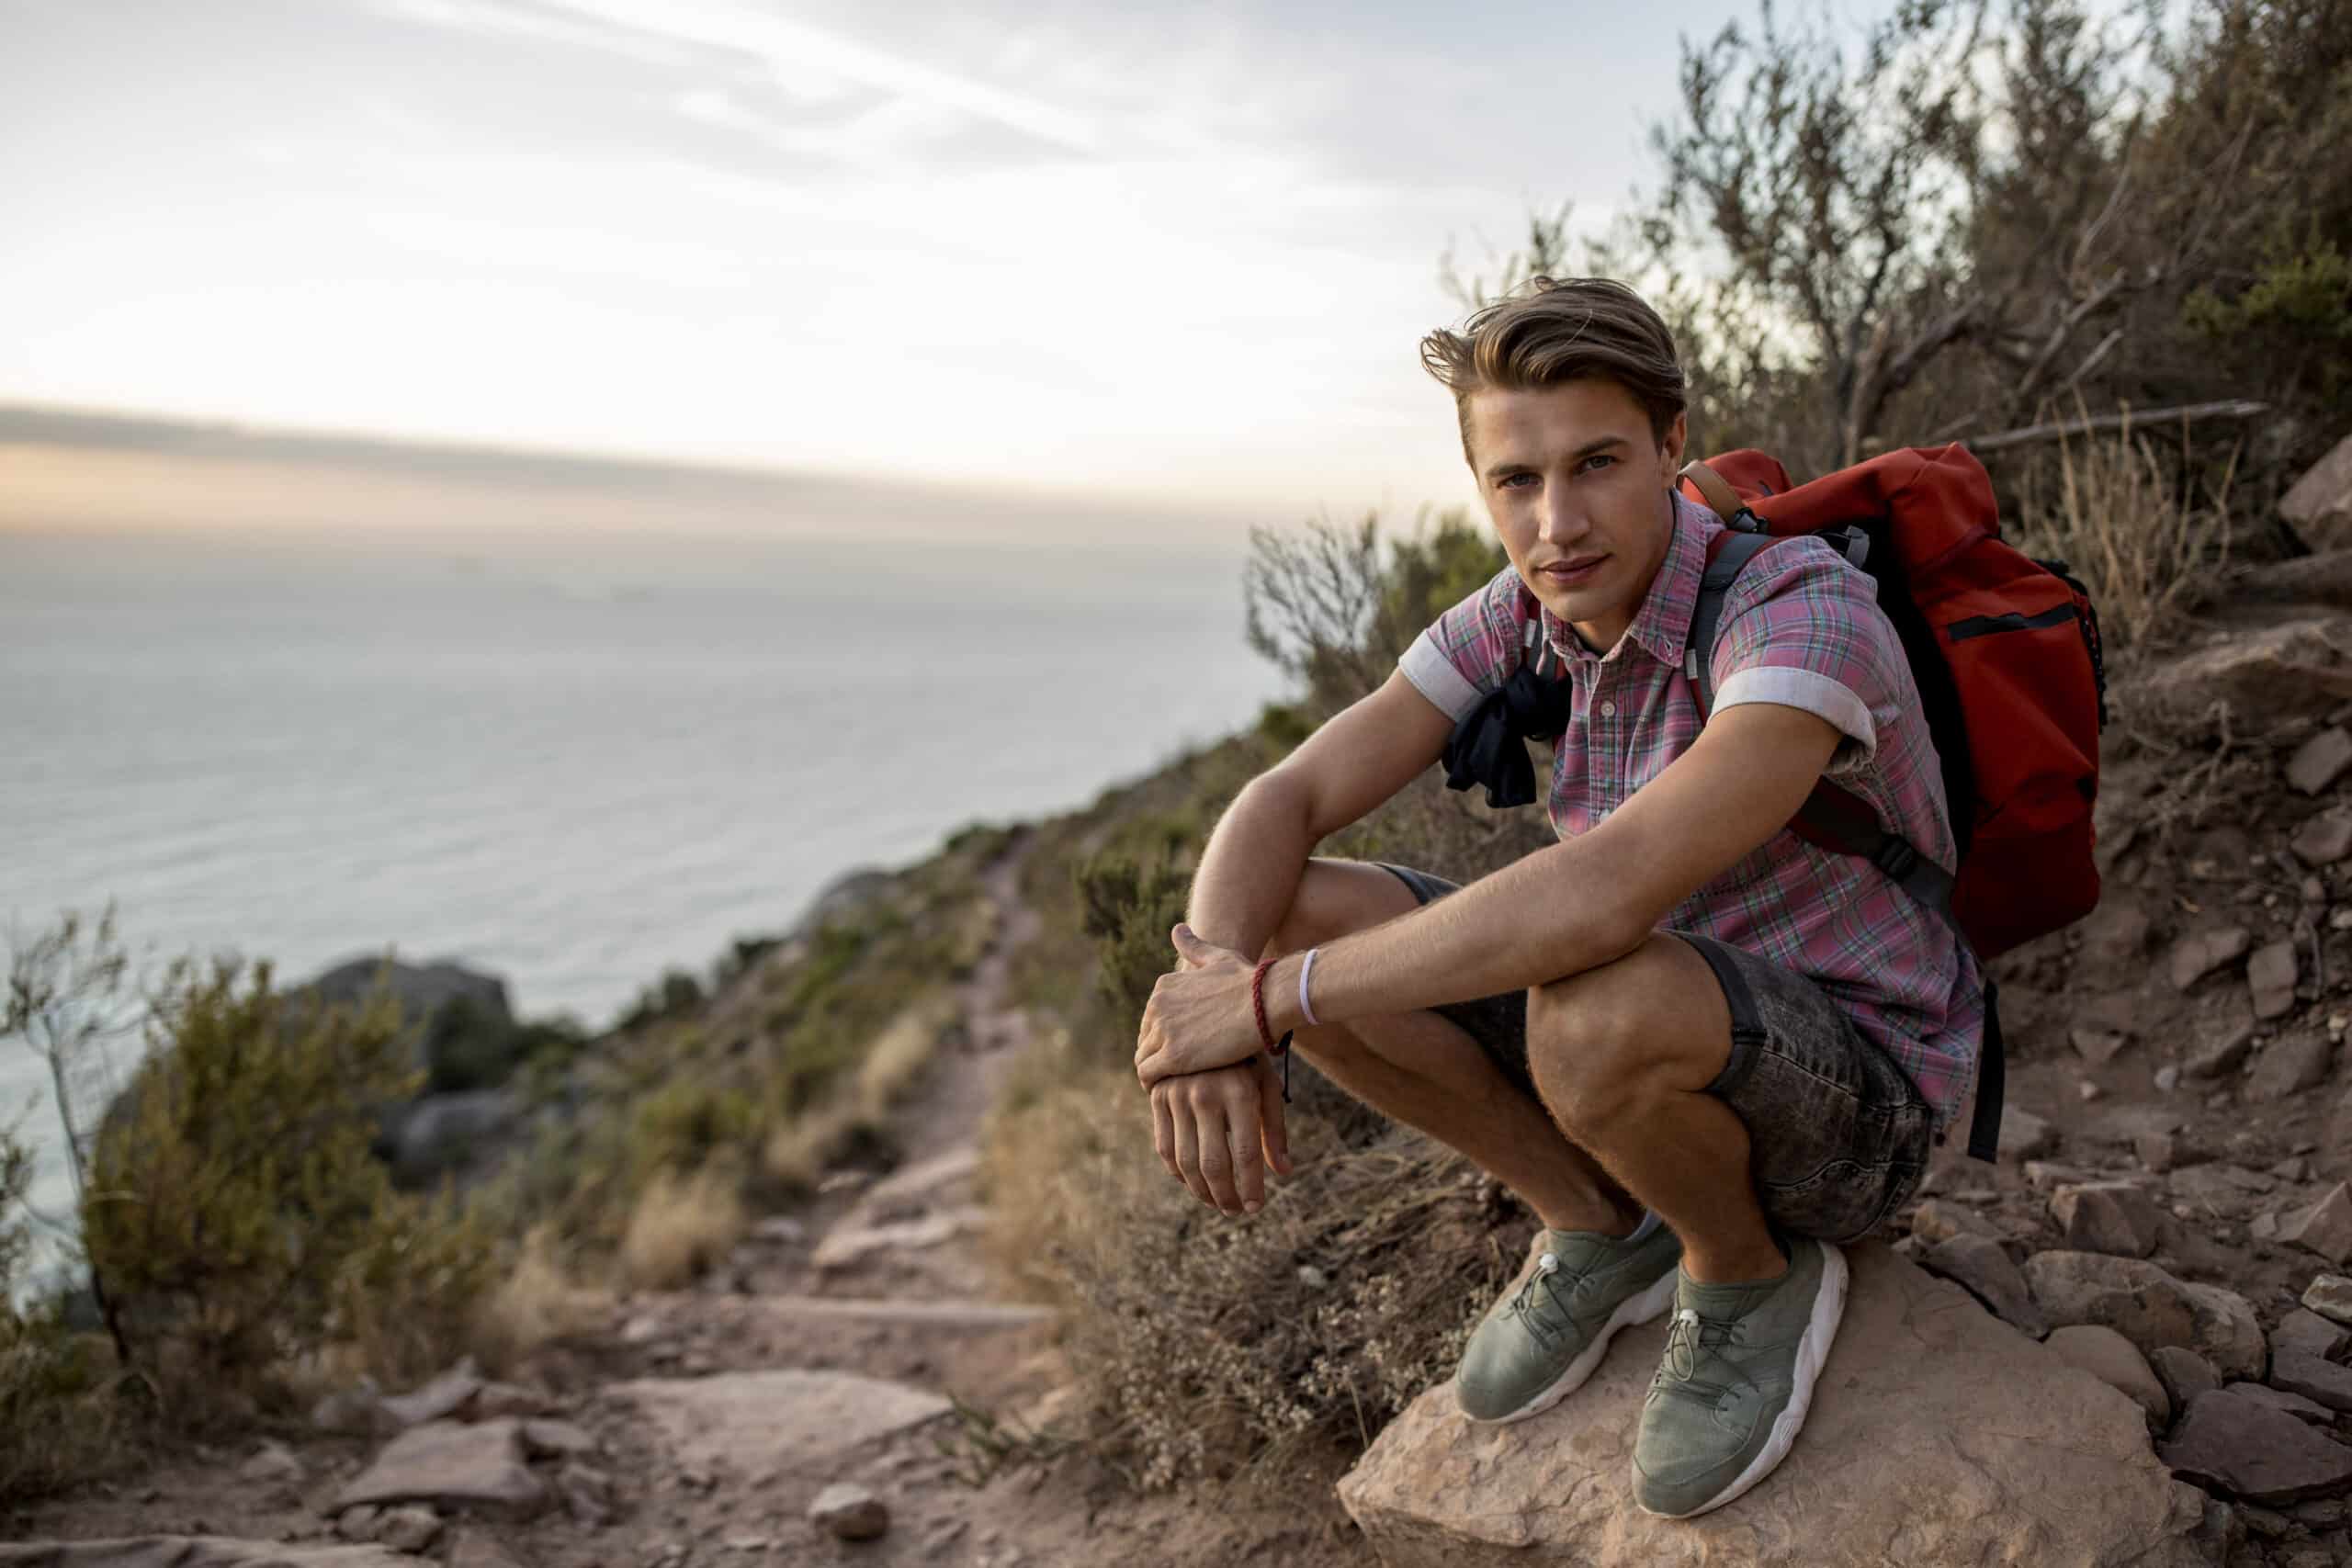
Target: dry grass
<point>796,1152</point>
<point>680,1226</point>
<point>1220,1347</point>
<point>538,1304</point>
<point>2138,536</point>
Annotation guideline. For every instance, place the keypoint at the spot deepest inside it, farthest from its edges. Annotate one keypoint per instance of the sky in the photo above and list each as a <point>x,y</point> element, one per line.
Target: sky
<point>1176,255</point>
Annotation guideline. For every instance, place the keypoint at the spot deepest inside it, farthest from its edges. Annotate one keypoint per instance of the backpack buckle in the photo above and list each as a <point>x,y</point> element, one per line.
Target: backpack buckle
<point>1897,857</point>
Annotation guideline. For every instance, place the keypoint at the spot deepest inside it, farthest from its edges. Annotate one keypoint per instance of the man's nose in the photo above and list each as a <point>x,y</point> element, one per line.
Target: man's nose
<point>1563,521</point>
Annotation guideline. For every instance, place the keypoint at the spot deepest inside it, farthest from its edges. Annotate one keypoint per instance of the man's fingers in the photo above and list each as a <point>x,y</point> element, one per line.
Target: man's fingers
<point>1163,1131</point>
<point>1216,1152</point>
<point>1242,1143</point>
<point>1272,1129</point>
<point>1188,1148</point>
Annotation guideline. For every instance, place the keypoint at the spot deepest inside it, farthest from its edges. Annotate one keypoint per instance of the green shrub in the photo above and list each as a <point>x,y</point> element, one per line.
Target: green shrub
<point>233,1198</point>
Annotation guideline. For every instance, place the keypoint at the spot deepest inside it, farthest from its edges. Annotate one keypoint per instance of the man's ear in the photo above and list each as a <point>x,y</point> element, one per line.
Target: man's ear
<point>1677,435</point>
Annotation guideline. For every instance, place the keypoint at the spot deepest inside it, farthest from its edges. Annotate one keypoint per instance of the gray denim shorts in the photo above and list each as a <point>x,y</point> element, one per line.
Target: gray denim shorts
<point>1839,1133</point>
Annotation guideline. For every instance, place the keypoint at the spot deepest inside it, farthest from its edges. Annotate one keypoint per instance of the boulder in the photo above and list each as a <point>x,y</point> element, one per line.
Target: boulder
<point>2323,579</point>
<point>2303,1408</point>
<point>459,1134</point>
<point>2106,1216</point>
<point>2290,670</point>
<point>2322,1382</point>
<point>2221,1050</point>
<point>451,1465</point>
<point>850,1511</point>
<point>1938,1220</point>
<point>2184,1373</point>
<point>1979,1265</point>
<point>2324,839</point>
<point>2306,1333</point>
<point>2323,1225</point>
<point>1937,1435</point>
<point>2319,505</point>
<point>2149,1307</point>
<point>460,1014</point>
<point>2115,1361</point>
<point>2270,977</point>
<point>2289,1067</point>
<point>2319,761</point>
<point>2200,952</point>
<point>2230,1443</point>
<point>2330,1295</point>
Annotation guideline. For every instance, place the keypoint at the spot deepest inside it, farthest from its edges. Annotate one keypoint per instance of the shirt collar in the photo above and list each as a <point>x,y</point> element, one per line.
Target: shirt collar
<point>1662,625</point>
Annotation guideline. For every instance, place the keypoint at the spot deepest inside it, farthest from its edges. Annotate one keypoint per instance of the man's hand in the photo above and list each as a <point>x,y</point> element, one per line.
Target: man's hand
<point>1200,1015</point>
<point>1219,1133</point>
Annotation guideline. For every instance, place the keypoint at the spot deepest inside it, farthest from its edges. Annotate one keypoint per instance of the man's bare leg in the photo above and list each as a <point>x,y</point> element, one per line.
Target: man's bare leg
<point>1422,1069</point>
<point>1623,1055</point>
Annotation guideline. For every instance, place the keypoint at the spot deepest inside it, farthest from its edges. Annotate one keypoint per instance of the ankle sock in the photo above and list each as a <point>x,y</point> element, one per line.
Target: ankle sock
<point>1649,1223</point>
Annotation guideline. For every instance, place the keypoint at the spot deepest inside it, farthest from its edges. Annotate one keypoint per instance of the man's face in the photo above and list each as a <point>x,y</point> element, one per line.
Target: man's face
<point>1577,487</point>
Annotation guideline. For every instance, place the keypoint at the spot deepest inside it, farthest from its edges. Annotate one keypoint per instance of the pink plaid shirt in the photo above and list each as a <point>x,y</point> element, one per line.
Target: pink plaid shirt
<point>1803,628</point>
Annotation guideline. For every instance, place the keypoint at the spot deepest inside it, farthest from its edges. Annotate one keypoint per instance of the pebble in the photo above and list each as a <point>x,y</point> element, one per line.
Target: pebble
<point>850,1511</point>
<point>2167,1078</point>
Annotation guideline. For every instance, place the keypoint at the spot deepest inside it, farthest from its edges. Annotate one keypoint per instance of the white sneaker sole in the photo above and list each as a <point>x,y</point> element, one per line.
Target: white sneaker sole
<point>1812,1349</point>
<point>1638,1308</point>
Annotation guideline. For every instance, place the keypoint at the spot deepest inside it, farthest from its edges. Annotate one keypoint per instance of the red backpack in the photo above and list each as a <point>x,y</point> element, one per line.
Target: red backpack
<point>2005,653</point>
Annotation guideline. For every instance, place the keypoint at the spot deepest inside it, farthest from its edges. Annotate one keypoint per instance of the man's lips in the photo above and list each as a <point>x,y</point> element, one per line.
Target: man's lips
<point>1572,570</point>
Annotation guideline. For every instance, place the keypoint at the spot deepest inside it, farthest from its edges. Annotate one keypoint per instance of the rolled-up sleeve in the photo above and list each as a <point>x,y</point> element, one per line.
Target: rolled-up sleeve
<point>1802,628</point>
<point>1471,649</point>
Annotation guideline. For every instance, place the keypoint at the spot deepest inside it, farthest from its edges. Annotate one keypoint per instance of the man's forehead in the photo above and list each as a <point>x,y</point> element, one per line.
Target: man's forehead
<point>1573,413</point>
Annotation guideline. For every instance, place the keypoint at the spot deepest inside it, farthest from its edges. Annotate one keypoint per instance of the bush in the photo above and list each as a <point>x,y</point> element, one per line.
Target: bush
<point>60,1422</point>
<point>234,1211</point>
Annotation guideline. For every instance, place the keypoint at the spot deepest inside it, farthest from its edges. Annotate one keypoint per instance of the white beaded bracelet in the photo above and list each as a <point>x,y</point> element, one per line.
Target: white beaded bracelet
<point>1304,971</point>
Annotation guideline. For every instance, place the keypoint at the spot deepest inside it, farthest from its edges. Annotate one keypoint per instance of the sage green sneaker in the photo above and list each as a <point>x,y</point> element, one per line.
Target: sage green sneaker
<point>1542,1338</point>
<point>1736,1381</point>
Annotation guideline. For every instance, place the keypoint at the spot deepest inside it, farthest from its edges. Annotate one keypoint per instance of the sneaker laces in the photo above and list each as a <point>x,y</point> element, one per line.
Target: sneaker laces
<point>1547,1275</point>
<point>1688,1339</point>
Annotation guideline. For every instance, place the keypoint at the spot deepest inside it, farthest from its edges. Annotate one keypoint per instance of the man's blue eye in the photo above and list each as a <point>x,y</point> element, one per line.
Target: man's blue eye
<point>1511,479</point>
<point>1596,458</point>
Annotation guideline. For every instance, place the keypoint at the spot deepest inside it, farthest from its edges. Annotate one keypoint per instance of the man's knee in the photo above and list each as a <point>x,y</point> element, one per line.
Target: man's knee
<point>1601,1043</point>
<point>1334,897</point>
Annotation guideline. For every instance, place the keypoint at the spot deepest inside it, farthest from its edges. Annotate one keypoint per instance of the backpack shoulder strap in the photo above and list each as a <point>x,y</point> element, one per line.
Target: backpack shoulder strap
<point>1728,554</point>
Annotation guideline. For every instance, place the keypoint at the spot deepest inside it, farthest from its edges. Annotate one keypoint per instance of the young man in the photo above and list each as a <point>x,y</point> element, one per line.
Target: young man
<point>1704,1049</point>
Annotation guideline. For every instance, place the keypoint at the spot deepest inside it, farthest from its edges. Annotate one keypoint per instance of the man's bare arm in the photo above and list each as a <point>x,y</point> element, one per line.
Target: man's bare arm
<point>1583,902</point>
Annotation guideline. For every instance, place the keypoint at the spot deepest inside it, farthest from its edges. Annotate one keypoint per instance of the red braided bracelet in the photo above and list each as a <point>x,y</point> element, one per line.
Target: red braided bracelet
<point>1265,1034</point>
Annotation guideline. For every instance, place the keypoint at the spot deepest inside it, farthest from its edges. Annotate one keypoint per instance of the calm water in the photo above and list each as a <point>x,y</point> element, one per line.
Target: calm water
<point>570,764</point>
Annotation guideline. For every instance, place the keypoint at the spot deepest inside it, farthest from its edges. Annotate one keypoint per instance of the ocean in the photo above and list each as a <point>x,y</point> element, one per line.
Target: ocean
<point>575,763</point>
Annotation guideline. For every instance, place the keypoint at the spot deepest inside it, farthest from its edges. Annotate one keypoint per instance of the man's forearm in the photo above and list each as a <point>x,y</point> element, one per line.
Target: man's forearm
<point>1549,914</point>
<point>1250,870</point>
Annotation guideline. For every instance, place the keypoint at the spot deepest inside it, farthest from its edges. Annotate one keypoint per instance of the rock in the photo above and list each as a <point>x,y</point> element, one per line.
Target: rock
<point>1937,1435</point>
<point>785,1418</point>
<point>459,1134</point>
<point>2184,1373</point>
<point>2324,1227</point>
<point>2106,1216</point>
<point>2319,505</point>
<point>2306,1333</point>
<point>355,1411</point>
<point>2200,952</point>
<point>2324,839</point>
<point>2224,1050</point>
<point>587,1495</point>
<point>2285,670</point>
<point>2294,1168</point>
<point>2023,1134</point>
<point>193,1551</point>
<point>2309,1411</point>
<point>2115,1361</point>
<point>2231,1443</point>
<point>444,1396</point>
<point>358,1524</point>
<point>496,1399</point>
<point>408,1529</point>
<point>913,1191</point>
<point>2116,931</point>
<point>273,1461</point>
<point>2264,1227</point>
<point>2149,1307</point>
<point>850,1511</point>
<point>2270,977</point>
<point>1938,1219</point>
<point>2330,1295</point>
<point>2168,1077</point>
<point>1978,1265</point>
<point>2325,1381</point>
<point>452,1466</point>
<point>642,1329</point>
<point>2289,1067</point>
<point>2096,1046</point>
<point>552,1439</point>
<point>2048,1175</point>
<point>2319,761</point>
<point>2220,1187</point>
<point>2157,1151</point>
<point>847,1244</point>
<point>467,1028</point>
<point>471,1549</point>
<point>783,1230</point>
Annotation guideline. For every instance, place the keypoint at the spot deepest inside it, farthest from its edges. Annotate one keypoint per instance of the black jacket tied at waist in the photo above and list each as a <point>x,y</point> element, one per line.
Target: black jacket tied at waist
<point>1488,747</point>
